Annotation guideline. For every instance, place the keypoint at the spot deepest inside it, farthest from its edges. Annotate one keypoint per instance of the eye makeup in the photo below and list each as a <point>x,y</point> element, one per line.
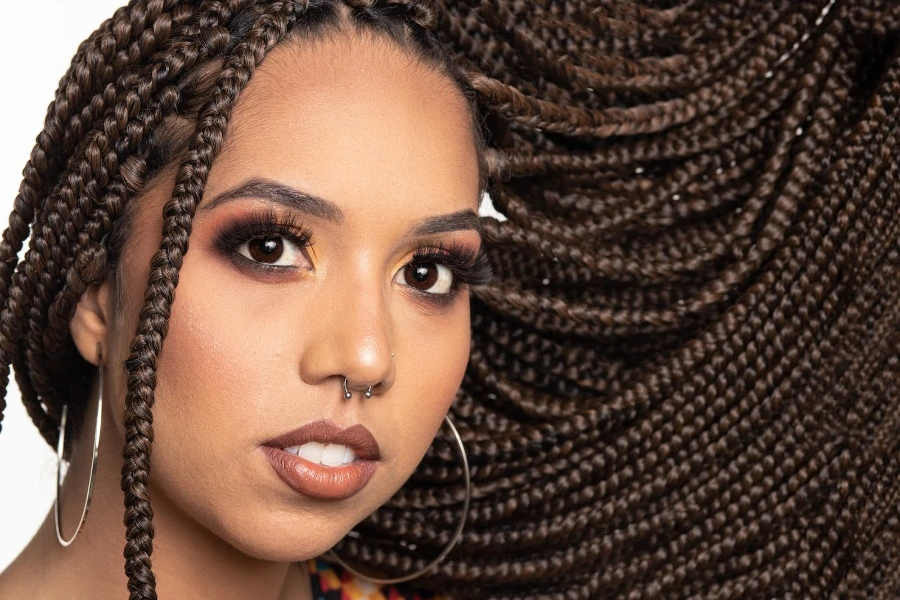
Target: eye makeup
<point>262,224</point>
<point>468,265</point>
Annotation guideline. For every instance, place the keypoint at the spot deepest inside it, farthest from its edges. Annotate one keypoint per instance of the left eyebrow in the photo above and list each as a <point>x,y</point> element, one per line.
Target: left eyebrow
<point>464,219</point>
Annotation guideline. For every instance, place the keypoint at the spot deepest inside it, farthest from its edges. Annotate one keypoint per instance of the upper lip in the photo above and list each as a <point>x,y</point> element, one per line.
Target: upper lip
<point>356,437</point>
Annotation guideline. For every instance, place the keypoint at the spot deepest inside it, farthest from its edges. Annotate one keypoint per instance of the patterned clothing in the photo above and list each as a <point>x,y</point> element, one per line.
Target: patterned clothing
<point>331,582</point>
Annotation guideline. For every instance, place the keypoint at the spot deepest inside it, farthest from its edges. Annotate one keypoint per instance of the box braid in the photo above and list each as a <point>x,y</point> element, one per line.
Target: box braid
<point>684,378</point>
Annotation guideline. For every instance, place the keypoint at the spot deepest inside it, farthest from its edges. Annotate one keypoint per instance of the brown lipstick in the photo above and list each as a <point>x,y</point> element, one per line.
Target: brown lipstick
<point>324,461</point>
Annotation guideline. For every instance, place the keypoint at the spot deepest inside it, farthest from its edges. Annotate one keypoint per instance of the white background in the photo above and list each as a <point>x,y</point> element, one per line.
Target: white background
<point>38,42</point>
<point>39,48</point>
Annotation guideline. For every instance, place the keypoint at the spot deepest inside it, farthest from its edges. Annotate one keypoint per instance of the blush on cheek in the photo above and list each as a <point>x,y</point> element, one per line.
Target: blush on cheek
<point>220,349</point>
<point>220,377</point>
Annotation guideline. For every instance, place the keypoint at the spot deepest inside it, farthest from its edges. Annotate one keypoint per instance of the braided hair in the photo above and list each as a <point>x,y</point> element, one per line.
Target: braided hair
<point>684,379</point>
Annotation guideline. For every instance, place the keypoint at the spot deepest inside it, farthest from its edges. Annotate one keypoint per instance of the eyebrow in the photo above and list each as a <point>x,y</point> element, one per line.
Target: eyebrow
<point>464,219</point>
<point>266,189</point>
<point>279,193</point>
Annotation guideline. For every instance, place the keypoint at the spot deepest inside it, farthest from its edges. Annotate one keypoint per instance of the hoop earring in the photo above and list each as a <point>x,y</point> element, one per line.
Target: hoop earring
<point>456,536</point>
<point>60,445</point>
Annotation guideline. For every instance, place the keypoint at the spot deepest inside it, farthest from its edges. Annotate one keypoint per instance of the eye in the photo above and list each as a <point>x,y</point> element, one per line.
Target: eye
<point>428,277</point>
<point>274,251</point>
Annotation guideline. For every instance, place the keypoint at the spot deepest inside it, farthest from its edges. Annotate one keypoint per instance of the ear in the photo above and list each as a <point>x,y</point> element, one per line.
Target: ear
<point>90,325</point>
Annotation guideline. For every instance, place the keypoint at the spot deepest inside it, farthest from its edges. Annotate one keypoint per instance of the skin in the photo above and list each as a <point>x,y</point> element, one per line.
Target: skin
<point>387,140</point>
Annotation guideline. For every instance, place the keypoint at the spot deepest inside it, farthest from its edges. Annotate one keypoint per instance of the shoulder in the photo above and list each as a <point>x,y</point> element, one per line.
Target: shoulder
<point>331,582</point>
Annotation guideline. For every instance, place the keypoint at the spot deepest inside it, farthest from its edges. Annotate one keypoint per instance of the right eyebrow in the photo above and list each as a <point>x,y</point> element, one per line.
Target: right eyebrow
<point>279,193</point>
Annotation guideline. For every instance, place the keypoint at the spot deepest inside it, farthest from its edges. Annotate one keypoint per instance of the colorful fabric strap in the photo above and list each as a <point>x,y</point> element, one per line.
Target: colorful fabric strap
<point>331,582</point>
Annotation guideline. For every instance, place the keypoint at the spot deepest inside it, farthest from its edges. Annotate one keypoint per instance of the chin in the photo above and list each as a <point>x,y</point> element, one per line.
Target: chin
<point>293,539</point>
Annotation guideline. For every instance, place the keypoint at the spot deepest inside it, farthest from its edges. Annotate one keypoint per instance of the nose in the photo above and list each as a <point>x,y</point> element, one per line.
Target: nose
<point>350,338</point>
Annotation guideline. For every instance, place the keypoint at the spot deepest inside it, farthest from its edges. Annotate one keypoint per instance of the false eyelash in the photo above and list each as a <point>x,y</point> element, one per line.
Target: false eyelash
<point>470,267</point>
<point>264,223</point>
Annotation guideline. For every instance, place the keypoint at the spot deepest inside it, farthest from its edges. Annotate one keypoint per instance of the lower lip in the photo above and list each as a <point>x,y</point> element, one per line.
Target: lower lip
<point>318,481</point>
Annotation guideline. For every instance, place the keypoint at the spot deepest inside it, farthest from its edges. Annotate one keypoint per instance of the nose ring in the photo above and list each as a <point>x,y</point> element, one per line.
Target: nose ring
<point>348,395</point>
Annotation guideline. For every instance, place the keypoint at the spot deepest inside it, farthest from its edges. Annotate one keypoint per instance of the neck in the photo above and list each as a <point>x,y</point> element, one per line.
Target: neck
<point>188,560</point>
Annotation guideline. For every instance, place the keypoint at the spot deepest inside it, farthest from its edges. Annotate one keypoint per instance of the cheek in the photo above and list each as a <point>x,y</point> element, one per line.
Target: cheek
<point>218,377</point>
<point>440,364</point>
<point>221,358</point>
<point>431,369</point>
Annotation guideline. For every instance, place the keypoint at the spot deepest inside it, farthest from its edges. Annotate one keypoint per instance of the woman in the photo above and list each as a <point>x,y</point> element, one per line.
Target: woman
<point>321,329</point>
<point>683,379</point>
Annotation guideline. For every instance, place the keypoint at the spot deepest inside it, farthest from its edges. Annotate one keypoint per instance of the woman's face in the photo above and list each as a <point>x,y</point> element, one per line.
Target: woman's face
<point>342,163</point>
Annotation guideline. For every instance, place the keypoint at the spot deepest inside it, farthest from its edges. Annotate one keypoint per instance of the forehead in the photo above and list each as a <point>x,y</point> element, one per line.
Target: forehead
<point>357,120</point>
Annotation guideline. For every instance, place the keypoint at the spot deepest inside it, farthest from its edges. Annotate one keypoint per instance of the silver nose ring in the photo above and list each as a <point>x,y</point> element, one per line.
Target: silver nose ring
<point>348,394</point>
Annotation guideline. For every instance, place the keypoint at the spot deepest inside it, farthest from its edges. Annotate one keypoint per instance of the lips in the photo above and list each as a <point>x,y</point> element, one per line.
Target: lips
<point>316,480</point>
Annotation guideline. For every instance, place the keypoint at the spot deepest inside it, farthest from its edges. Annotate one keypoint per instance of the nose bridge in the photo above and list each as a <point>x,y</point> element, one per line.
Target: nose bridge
<point>354,336</point>
<point>361,325</point>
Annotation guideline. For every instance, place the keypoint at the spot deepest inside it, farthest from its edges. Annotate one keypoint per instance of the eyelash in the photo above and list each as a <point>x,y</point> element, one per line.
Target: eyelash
<point>469,266</point>
<point>262,224</point>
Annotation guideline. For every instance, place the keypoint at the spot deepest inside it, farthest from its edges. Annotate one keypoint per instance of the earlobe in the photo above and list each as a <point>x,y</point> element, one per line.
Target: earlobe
<point>90,324</point>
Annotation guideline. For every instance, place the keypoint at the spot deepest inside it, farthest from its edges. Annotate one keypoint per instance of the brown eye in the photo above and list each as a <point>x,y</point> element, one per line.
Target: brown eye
<point>430,277</point>
<point>421,275</point>
<point>266,250</point>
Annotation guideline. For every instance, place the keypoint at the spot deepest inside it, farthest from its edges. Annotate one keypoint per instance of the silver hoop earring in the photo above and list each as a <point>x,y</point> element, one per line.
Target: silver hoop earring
<point>348,394</point>
<point>456,535</point>
<point>60,446</point>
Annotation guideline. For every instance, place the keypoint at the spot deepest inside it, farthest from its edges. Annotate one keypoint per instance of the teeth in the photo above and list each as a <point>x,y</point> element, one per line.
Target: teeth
<point>334,455</point>
<point>312,451</point>
<point>330,455</point>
